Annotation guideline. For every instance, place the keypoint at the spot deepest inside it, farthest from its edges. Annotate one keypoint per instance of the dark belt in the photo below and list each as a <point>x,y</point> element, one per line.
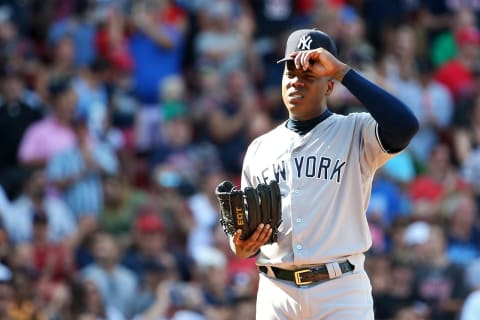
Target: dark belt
<point>306,276</point>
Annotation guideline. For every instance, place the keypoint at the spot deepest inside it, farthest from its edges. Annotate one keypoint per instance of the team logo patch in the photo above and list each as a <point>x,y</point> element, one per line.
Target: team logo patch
<point>304,42</point>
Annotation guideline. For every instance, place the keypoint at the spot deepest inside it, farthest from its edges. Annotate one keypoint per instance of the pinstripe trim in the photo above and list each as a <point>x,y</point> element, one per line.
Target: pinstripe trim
<point>378,139</point>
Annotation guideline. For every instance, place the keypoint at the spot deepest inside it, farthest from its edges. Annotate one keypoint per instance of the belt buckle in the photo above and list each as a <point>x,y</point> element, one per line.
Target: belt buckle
<point>298,280</point>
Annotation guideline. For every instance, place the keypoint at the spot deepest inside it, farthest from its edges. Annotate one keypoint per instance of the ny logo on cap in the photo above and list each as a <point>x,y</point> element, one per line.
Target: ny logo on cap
<point>304,42</point>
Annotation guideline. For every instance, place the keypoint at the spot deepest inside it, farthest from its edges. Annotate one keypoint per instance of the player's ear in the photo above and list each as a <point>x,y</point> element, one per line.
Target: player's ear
<point>330,86</point>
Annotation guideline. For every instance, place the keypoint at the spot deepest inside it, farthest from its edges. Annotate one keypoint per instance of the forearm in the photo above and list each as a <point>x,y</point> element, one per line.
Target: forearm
<point>396,123</point>
<point>151,29</point>
<point>65,183</point>
<point>158,37</point>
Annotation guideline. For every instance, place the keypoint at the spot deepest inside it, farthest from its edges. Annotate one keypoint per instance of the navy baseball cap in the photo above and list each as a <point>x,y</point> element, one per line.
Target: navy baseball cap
<point>308,39</point>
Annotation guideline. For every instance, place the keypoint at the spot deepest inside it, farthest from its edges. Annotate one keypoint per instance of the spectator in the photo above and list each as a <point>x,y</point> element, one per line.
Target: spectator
<point>16,115</point>
<point>462,231</point>
<point>470,171</point>
<point>466,137</point>
<point>219,45</point>
<point>187,302</point>
<point>244,308</point>
<point>402,57</point>
<point>438,282</point>
<point>12,44</point>
<point>37,147</point>
<point>206,98</point>
<point>77,171</point>
<point>378,267</point>
<point>434,109</point>
<point>203,206</point>
<point>24,304</point>
<point>210,269</point>
<point>19,219</point>
<point>170,194</point>
<point>88,303</point>
<point>124,107</point>
<point>270,19</point>
<point>92,98</point>
<point>429,191</point>
<point>6,290</point>
<point>399,293</point>
<point>458,74</point>
<point>150,245</point>
<point>471,307</point>
<point>117,285</point>
<point>227,123</point>
<point>211,272</point>
<point>80,28</point>
<point>242,274</point>
<point>178,147</point>
<point>52,262</point>
<point>173,104</point>
<point>389,200</point>
<point>436,18</point>
<point>62,56</point>
<point>111,39</point>
<point>443,46</point>
<point>353,45</point>
<point>380,15</point>
<point>154,295</point>
<point>156,46</point>
<point>122,202</point>
<point>412,313</point>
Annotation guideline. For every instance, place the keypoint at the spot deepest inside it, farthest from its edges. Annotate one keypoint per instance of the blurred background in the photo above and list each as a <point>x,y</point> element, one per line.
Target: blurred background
<point>119,117</point>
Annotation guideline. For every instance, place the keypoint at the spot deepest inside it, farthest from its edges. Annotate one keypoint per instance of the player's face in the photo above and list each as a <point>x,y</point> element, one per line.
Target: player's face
<point>304,94</point>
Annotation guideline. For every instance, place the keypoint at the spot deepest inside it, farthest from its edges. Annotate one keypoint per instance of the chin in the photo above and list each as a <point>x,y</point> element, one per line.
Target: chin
<point>295,106</point>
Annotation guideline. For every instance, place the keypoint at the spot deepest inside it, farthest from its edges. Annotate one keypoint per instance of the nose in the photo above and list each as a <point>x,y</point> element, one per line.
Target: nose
<point>296,82</point>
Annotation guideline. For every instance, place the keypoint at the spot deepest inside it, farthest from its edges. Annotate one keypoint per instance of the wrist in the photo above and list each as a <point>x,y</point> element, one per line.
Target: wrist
<point>342,72</point>
<point>254,254</point>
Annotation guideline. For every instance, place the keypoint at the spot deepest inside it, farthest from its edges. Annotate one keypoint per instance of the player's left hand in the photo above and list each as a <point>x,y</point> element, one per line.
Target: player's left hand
<point>248,247</point>
<point>320,62</point>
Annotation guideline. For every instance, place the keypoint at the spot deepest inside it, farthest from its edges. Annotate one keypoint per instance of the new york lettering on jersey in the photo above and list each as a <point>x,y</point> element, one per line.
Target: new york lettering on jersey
<point>313,166</point>
<point>304,157</point>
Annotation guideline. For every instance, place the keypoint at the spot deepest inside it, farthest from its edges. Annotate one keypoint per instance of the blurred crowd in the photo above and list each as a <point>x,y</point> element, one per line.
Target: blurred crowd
<point>118,118</point>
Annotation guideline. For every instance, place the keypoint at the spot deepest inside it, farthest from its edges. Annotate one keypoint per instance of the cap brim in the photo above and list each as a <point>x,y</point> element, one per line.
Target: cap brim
<point>285,59</point>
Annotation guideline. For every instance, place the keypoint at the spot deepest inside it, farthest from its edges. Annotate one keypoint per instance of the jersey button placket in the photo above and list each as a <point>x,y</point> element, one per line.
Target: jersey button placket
<point>295,192</point>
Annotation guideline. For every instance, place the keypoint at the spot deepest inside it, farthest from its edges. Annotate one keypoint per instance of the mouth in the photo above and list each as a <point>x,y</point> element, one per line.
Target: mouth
<point>295,96</point>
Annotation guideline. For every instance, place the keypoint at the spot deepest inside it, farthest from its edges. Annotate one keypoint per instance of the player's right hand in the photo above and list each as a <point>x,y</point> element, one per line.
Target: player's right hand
<point>321,63</point>
<point>249,247</point>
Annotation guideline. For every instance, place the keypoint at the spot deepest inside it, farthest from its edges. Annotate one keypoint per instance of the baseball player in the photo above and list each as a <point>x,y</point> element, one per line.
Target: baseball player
<point>324,164</point>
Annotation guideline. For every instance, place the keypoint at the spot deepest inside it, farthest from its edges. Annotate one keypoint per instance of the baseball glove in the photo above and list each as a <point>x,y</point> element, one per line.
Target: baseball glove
<point>247,209</point>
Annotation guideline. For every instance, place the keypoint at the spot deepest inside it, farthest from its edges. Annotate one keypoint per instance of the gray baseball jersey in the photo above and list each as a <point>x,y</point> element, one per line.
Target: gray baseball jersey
<point>325,178</point>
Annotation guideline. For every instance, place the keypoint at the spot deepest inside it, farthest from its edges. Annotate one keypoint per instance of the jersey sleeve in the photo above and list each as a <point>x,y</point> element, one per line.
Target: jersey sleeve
<point>372,153</point>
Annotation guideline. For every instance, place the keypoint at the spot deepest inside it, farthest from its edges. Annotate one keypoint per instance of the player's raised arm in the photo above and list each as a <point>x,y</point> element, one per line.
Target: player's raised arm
<point>396,123</point>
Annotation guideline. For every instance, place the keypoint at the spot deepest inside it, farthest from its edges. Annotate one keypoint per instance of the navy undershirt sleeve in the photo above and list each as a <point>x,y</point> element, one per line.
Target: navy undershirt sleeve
<point>396,123</point>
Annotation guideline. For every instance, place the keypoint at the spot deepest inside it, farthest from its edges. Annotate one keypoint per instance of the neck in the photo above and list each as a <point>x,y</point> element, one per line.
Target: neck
<point>302,127</point>
<point>61,121</point>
